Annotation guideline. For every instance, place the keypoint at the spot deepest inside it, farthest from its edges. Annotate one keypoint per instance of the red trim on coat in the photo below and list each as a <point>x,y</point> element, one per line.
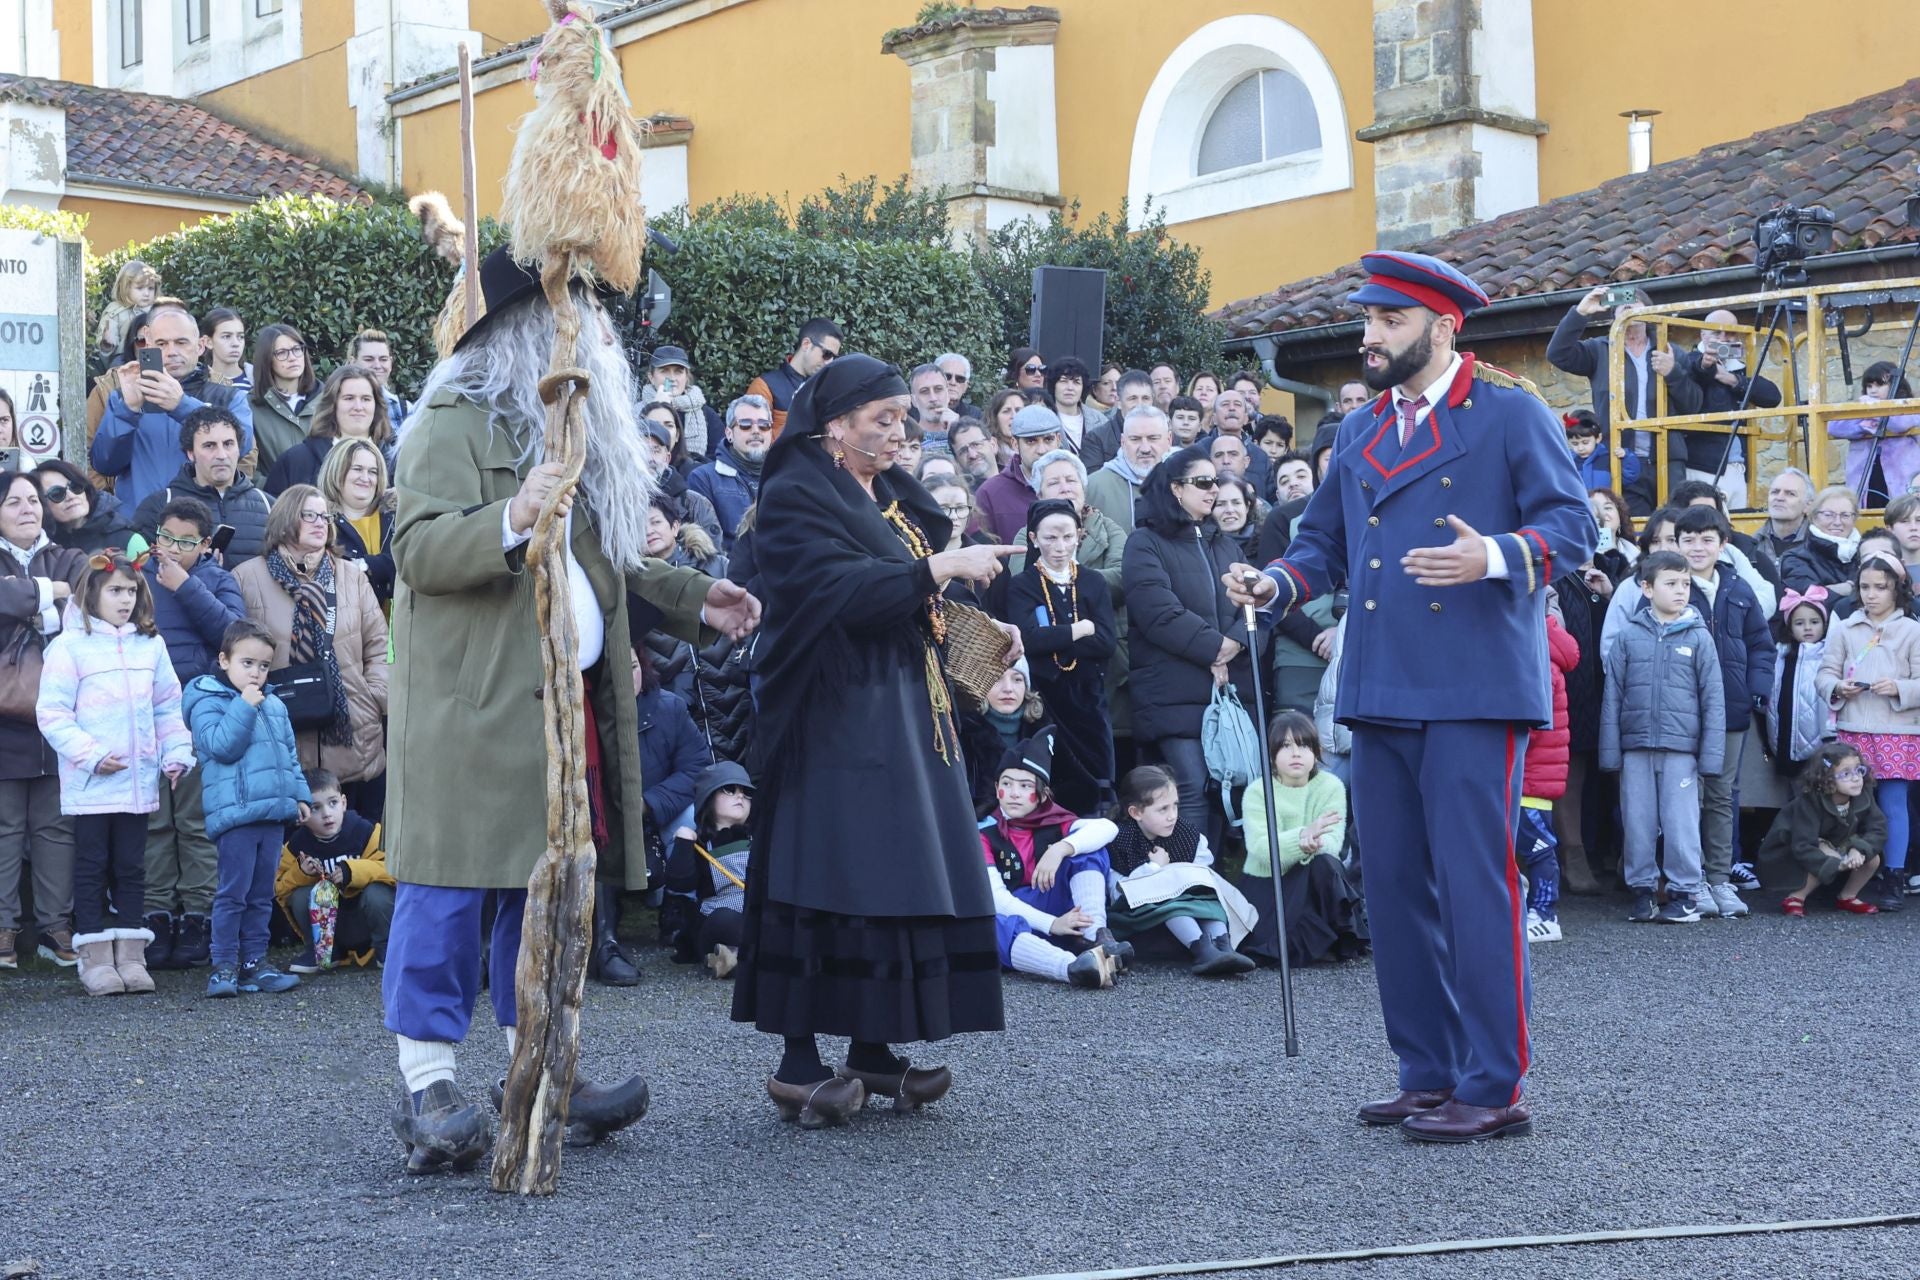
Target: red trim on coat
<point>1519,930</point>
<point>1393,421</point>
<point>1546,556</point>
<point>1305,593</point>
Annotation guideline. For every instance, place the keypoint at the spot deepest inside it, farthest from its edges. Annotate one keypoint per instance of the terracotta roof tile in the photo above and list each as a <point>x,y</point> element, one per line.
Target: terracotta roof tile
<point>114,135</point>
<point>1692,214</point>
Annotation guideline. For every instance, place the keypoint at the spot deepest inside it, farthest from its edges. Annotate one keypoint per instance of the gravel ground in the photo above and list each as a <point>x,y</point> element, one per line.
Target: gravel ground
<point>1721,1072</point>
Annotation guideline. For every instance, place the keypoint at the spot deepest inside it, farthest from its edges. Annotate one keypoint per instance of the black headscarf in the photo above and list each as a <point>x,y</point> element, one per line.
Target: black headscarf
<point>841,386</point>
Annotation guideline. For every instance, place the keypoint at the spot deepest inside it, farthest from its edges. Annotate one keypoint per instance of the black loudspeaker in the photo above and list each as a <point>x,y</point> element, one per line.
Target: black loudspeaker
<point>1069,306</point>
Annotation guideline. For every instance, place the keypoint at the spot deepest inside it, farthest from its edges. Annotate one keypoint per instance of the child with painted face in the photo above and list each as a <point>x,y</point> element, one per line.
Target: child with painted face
<point>1870,675</point>
<point>1048,872</point>
<point>109,706</point>
<point>1164,876</point>
<point>1832,826</point>
<point>1324,920</point>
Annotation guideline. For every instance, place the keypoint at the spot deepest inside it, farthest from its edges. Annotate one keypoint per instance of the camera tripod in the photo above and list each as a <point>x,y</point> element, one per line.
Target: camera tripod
<point>1783,276</point>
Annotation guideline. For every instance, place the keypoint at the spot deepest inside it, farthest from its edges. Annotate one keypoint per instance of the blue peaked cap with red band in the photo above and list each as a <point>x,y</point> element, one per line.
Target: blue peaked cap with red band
<point>1396,279</point>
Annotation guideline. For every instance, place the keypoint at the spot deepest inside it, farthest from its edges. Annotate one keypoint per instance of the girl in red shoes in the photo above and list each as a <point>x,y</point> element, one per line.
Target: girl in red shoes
<point>1832,826</point>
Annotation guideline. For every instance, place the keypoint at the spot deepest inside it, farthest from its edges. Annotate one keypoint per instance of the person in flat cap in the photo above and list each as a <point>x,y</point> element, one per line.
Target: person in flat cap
<point>1003,499</point>
<point>1068,628</point>
<point>867,915</point>
<point>670,382</point>
<point>1048,871</point>
<point>1450,499</point>
<point>467,754</point>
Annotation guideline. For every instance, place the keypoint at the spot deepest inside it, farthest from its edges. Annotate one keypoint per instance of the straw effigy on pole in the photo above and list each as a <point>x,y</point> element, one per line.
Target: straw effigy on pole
<point>572,201</point>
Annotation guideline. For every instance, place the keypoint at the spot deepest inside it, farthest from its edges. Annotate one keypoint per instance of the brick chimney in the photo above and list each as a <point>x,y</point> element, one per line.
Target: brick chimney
<point>1454,134</point>
<point>984,124</point>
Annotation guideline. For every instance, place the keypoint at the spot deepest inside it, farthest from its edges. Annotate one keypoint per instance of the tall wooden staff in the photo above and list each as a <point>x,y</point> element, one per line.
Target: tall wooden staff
<point>573,202</point>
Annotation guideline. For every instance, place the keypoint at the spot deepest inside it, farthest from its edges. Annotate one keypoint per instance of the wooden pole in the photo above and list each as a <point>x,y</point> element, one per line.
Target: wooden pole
<point>551,976</point>
<point>470,187</point>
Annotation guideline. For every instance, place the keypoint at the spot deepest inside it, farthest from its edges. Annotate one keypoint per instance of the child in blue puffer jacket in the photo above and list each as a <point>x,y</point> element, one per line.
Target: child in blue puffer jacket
<point>253,788</point>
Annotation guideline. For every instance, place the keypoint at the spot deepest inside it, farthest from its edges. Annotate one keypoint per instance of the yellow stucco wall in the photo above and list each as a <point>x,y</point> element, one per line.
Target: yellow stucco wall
<point>503,22</point>
<point>1714,74</point>
<point>73,19</point>
<point>112,225</point>
<point>302,104</point>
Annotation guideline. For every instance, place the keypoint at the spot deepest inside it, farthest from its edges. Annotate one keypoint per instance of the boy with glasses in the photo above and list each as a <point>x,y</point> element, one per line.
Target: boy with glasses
<point>194,602</point>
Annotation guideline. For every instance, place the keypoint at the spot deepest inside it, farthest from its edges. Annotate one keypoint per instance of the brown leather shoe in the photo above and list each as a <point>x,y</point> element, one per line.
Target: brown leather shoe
<point>1456,1121</point>
<point>1408,1102</point>
<point>816,1106</point>
<point>911,1088</point>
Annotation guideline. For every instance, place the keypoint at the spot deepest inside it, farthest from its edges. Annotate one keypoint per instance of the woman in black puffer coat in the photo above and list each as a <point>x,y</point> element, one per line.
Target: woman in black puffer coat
<point>1582,611</point>
<point>1187,638</point>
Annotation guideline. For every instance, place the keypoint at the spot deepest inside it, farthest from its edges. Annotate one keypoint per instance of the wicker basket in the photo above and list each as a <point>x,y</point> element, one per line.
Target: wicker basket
<point>976,650</point>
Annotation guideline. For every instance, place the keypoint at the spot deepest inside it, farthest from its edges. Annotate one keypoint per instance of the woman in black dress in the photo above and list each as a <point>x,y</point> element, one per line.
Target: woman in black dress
<point>867,912</point>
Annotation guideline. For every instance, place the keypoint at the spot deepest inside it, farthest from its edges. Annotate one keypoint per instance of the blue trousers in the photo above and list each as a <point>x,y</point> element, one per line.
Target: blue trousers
<point>1436,809</point>
<point>243,898</point>
<point>432,978</point>
<point>1056,901</point>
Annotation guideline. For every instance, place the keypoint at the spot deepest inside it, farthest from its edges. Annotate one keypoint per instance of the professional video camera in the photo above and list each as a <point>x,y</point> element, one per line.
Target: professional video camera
<point>1783,238</point>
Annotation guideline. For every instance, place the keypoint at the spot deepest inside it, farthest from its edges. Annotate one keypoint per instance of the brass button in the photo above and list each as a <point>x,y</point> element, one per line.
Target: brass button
<point>1373,519</point>
<point>1435,606</point>
<point>1439,522</point>
<point>1374,563</point>
<point>1370,604</point>
<point>1446,482</point>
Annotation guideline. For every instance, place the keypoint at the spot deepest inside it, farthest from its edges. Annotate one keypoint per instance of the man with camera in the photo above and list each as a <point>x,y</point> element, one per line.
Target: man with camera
<point>1588,357</point>
<point>1718,366</point>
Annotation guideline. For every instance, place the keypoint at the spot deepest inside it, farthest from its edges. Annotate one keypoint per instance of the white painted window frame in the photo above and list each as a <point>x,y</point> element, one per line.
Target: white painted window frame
<point>1191,83</point>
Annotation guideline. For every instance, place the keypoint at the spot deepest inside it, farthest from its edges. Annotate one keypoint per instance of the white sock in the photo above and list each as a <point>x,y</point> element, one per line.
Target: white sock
<point>1089,889</point>
<point>512,1040</point>
<point>1183,928</point>
<point>1215,928</point>
<point>1033,954</point>
<point>422,1062</point>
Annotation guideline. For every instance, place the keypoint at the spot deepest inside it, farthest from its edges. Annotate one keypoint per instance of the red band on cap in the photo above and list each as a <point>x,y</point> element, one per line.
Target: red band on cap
<point>1430,298</point>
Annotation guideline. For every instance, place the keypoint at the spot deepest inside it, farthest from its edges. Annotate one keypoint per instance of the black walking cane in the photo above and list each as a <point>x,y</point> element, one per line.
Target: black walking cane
<point>1273,834</point>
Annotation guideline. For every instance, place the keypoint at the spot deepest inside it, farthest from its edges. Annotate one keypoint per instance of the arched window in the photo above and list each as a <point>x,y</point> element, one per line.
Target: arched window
<point>1245,112</point>
<point>1269,114</point>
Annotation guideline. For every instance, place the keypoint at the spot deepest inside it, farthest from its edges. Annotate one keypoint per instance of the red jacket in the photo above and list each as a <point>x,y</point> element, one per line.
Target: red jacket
<point>1545,771</point>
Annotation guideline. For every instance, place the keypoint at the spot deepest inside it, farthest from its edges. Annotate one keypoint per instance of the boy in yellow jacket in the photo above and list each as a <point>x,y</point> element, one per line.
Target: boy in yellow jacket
<point>333,886</point>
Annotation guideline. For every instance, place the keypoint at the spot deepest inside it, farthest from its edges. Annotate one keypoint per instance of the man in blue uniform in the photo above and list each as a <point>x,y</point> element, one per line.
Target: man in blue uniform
<point>1450,501</point>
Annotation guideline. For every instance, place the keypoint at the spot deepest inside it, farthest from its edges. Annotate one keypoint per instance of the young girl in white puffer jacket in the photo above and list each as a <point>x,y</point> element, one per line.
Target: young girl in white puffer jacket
<point>1799,720</point>
<point>109,706</point>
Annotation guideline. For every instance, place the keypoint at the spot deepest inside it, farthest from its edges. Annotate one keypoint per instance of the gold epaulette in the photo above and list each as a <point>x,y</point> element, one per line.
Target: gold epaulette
<point>1501,378</point>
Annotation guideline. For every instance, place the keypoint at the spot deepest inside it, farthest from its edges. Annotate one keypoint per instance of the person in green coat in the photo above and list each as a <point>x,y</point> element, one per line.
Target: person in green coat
<point>468,774</point>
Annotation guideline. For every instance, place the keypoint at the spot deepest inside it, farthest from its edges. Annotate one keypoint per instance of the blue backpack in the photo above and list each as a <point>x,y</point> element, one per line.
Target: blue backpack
<point>1231,746</point>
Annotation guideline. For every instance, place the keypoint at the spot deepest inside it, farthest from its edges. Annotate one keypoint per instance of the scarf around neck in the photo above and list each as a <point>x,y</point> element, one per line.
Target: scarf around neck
<point>314,611</point>
<point>25,555</point>
<point>1841,547</point>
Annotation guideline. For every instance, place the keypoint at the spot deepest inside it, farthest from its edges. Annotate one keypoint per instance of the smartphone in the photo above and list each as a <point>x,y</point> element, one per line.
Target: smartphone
<point>1605,541</point>
<point>221,537</point>
<point>150,360</point>
<point>1622,295</point>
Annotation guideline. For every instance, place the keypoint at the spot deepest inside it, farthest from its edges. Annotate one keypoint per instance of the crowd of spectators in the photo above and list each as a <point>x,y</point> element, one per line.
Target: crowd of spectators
<point>244,511</point>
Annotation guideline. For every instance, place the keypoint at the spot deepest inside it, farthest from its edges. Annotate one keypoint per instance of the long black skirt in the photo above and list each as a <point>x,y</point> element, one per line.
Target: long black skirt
<point>1326,916</point>
<point>886,979</point>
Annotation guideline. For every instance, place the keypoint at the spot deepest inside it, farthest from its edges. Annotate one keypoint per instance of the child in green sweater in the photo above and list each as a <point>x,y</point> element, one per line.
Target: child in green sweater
<point>1322,902</point>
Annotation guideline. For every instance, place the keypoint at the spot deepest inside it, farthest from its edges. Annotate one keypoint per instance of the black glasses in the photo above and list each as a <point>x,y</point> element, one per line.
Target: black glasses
<point>960,378</point>
<point>1199,482</point>
<point>178,544</point>
<point>58,493</point>
<point>288,353</point>
<point>826,355</point>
